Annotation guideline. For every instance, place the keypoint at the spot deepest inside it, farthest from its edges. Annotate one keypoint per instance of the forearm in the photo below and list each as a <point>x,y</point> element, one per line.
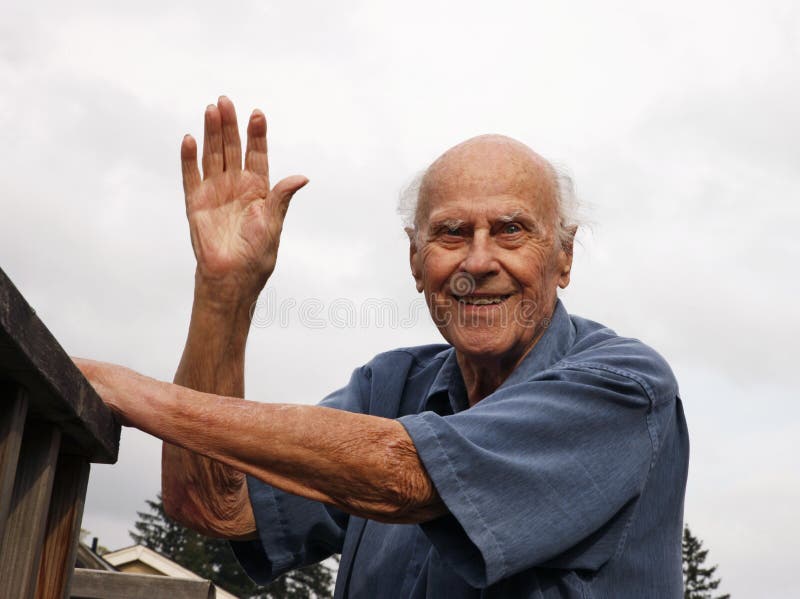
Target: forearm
<point>364,465</point>
<point>213,358</point>
<point>203,493</point>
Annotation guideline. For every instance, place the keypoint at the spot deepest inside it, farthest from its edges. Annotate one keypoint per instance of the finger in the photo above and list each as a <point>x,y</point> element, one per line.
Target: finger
<point>189,170</point>
<point>231,144</point>
<point>255,157</point>
<point>283,192</point>
<point>213,162</point>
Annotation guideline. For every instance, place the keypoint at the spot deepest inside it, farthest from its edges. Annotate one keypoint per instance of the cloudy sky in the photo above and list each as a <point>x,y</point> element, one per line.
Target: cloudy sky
<point>678,121</point>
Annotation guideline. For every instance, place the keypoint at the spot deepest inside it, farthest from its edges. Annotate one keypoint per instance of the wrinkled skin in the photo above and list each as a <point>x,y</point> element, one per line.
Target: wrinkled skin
<point>235,218</point>
<point>487,255</point>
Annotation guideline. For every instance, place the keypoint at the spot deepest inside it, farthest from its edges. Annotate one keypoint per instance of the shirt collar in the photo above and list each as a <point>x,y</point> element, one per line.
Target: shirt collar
<point>443,396</point>
<point>448,384</point>
<point>554,343</point>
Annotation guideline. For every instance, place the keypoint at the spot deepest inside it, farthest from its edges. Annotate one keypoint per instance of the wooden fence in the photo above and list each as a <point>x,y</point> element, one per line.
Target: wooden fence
<point>52,427</point>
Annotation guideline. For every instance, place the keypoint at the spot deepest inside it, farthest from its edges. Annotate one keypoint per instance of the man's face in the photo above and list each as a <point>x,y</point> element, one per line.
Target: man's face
<point>487,256</point>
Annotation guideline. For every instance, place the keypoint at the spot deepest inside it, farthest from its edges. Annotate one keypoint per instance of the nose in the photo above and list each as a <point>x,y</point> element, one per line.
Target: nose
<point>480,260</point>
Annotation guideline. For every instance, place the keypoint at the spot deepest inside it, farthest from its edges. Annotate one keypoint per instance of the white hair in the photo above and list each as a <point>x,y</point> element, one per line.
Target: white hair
<point>568,206</point>
<point>408,201</point>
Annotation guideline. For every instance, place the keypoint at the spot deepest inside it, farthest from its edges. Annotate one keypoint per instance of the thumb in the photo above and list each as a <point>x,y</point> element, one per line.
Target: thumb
<point>283,192</point>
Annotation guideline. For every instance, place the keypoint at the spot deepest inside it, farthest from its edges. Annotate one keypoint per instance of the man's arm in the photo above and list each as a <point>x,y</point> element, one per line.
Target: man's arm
<point>234,221</point>
<point>199,492</point>
<point>364,465</point>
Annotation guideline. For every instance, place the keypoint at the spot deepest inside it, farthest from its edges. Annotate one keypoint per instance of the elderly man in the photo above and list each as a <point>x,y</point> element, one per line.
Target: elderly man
<point>537,454</point>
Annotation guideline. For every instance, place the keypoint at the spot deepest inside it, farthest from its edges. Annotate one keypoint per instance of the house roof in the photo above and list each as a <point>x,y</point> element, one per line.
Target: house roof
<point>86,558</point>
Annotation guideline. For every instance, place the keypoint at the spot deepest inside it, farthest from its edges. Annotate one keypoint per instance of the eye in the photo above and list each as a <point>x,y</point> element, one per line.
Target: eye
<point>453,231</point>
<point>511,229</point>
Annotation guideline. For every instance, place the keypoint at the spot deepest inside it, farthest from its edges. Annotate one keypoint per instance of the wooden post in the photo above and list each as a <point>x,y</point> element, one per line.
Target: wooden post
<point>22,542</point>
<point>63,527</point>
<point>52,424</point>
<point>13,409</point>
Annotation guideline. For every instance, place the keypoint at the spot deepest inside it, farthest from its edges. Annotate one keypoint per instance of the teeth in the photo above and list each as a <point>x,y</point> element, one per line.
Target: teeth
<point>482,301</point>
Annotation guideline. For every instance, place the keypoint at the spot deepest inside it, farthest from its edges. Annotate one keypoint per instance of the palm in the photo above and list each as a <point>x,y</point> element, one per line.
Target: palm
<point>227,222</point>
<point>235,219</point>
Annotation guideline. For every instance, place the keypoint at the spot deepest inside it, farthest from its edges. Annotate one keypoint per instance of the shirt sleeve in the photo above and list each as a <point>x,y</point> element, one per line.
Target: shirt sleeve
<point>539,473</point>
<point>293,531</point>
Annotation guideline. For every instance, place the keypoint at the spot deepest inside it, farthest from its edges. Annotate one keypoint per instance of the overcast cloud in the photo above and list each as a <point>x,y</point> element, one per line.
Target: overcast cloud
<point>678,121</point>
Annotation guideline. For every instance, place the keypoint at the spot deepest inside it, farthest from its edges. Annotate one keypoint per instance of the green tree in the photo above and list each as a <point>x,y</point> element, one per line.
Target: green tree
<point>213,559</point>
<point>698,581</point>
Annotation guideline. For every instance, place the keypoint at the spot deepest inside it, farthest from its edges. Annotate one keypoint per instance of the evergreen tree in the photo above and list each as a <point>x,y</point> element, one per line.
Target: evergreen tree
<point>698,581</point>
<point>213,559</point>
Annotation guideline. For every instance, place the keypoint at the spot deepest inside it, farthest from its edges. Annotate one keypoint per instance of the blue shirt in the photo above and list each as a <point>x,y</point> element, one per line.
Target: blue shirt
<point>566,482</point>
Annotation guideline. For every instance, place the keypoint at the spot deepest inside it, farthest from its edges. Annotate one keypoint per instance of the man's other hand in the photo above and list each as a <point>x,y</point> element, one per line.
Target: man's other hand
<point>235,218</point>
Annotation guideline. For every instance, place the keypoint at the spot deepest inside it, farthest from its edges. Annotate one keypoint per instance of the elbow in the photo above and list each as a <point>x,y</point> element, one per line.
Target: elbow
<point>174,501</point>
<point>238,527</point>
<point>410,496</point>
<point>406,504</point>
<point>217,516</point>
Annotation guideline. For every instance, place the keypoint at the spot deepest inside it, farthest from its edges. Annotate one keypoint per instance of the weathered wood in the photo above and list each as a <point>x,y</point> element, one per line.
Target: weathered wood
<point>58,392</point>
<point>63,527</point>
<point>13,409</point>
<point>97,584</point>
<point>21,546</point>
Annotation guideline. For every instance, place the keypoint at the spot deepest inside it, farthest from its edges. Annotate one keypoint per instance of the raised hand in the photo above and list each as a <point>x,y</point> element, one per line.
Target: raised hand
<point>235,218</point>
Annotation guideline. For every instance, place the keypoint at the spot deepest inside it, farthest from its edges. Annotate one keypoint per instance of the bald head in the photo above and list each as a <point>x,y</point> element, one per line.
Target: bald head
<point>493,165</point>
<point>487,164</point>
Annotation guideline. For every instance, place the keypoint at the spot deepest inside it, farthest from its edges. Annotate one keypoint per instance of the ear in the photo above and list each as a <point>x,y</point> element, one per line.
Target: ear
<point>565,258</point>
<point>414,258</point>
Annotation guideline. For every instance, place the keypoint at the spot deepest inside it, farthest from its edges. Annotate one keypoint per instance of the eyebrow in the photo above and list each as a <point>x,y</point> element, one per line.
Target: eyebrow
<point>454,223</point>
<point>450,223</point>
<point>509,218</point>
<point>518,215</point>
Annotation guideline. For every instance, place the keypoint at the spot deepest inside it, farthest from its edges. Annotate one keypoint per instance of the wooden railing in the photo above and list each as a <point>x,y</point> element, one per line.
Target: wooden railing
<point>52,426</point>
<point>96,584</point>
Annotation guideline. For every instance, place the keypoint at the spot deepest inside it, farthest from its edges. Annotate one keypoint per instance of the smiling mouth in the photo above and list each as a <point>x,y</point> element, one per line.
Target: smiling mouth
<point>481,300</point>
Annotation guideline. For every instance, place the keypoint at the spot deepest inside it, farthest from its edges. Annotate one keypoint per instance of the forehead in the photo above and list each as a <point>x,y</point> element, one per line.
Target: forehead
<point>488,177</point>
